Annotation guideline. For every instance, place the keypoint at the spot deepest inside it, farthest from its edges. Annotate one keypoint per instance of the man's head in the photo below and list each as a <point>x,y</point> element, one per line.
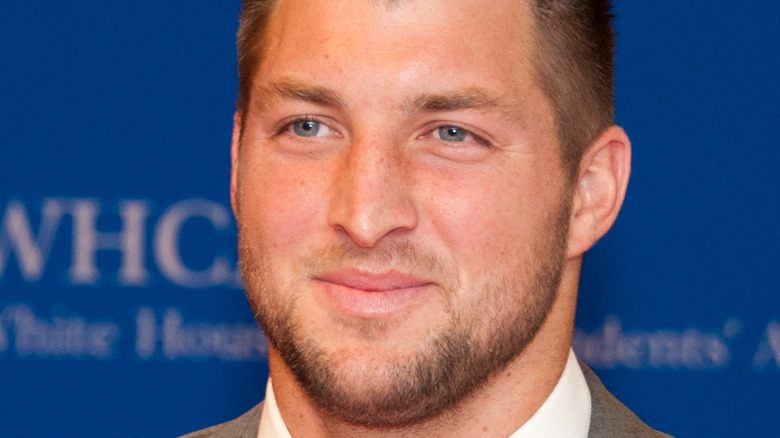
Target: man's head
<point>573,57</point>
<point>407,229</point>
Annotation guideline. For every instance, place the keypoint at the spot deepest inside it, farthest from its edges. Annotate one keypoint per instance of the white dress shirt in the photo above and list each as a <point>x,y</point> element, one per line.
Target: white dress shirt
<point>565,413</point>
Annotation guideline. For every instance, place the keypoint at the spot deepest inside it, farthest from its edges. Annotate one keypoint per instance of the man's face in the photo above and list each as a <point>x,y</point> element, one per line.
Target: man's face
<point>401,206</point>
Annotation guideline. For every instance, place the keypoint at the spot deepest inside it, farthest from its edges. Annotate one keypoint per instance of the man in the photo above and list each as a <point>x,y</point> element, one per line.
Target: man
<point>415,183</point>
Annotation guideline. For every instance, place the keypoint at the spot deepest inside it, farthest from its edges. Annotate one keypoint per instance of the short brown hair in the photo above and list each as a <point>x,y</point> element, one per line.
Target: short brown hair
<point>573,62</point>
<point>252,24</point>
<point>574,65</point>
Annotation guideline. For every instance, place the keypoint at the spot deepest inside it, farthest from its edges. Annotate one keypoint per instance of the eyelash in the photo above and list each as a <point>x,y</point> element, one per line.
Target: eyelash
<point>287,126</point>
<point>482,141</point>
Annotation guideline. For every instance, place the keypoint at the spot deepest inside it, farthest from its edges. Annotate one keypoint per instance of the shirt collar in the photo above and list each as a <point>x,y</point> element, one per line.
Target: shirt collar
<point>271,422</point>
<point>565,413</point>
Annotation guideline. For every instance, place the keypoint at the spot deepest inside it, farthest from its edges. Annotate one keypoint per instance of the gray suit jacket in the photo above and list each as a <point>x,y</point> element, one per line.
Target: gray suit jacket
<point>609,418</point>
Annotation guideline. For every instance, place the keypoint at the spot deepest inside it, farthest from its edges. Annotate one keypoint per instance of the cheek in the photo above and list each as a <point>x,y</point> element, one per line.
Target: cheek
<point>485,222</point>
<point>471,222</point>
<point>278,204</point>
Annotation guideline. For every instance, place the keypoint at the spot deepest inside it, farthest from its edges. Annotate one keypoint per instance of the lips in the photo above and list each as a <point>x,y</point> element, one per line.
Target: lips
<point>371,282</point>
<point>363,294</point>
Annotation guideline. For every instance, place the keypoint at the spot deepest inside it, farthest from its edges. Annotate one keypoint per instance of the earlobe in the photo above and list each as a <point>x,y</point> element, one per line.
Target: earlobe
<point>234,146</point>
<point>600,189</point>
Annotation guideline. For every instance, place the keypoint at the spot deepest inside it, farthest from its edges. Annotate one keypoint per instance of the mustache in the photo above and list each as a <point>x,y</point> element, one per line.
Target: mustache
<point>400,256</point>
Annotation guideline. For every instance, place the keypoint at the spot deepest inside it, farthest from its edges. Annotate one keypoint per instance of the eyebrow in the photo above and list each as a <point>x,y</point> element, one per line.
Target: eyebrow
<point>467,98</point>
<point>299,90</point>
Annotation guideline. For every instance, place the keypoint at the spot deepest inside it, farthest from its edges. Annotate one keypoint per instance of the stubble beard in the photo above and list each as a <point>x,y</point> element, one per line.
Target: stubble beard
<point>449,364</point>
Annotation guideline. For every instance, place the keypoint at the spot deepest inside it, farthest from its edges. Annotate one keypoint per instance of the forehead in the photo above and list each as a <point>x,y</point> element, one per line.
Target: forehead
<point>433,39</point>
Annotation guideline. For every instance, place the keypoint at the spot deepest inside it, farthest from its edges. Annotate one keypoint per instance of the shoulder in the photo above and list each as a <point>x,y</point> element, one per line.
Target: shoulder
<point>244,426</point>
<point>610,417</point>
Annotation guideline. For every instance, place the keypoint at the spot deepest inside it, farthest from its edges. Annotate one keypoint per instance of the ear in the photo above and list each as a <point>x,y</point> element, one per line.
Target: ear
<point>234,149</point>
<point>600,189</point>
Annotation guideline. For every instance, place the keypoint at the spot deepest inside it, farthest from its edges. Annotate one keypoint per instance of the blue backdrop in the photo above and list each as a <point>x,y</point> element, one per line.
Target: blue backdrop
<point>121,311</point>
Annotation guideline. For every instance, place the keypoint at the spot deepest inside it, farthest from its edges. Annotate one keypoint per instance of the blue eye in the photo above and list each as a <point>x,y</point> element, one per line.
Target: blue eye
<point>452,133</point>
<point>306,128</point>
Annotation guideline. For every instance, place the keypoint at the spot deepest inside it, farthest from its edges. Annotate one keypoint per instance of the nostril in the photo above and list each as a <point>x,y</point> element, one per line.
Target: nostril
<point>368,220</point>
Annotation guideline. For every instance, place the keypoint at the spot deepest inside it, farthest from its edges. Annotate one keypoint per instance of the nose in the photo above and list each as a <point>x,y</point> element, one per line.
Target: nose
<point>371,194</point>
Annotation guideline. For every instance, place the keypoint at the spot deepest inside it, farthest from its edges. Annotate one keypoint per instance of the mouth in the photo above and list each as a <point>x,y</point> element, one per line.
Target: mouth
<point>364,294</point>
